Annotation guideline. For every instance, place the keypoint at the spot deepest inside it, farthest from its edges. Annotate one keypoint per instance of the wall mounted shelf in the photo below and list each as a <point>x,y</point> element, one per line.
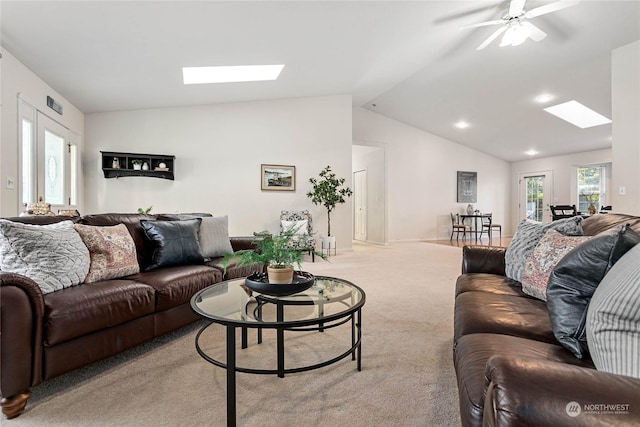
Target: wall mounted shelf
<point>117,164</point>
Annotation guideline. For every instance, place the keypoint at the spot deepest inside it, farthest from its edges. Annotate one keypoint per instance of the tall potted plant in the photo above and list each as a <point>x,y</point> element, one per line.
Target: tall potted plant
<point>328,191</point>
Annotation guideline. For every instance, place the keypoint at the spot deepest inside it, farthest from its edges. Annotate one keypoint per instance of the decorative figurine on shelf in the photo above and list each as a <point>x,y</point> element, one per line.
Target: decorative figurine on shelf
<point>470,209</point>
<point>145,166</point>
<point>116,163</point>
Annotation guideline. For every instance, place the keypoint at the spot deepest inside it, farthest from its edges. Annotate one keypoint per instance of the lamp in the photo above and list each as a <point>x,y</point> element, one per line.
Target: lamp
<point>515,35</point>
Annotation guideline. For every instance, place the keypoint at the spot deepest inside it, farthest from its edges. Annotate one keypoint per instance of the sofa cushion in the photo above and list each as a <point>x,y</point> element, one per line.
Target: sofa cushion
<point>551,248</point>
<point>176,285</point>
<point>613,318</point>
<point>520,316</point>
<point>574,280</point>
<point>90,307</point>
<point>526,238</point>
<point>112,251</point>
<point>51,255</point>
<point>144,247</point>
<point>175,242</point>
<point>470,358</point>
<point>214,237</point>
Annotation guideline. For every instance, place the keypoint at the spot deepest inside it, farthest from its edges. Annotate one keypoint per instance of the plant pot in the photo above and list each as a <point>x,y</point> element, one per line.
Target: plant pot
<point>328,242</point>
<point>137,167</point>
<point>280,276</point>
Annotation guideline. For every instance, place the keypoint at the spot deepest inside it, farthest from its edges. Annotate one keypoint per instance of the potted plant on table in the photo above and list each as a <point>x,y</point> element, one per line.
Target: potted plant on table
<point>328,191</point>
<point>137,164</point>
<point>275,252</point>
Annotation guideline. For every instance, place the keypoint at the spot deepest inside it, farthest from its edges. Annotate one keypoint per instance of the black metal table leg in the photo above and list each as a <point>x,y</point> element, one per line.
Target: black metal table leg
<point>280,339</point>
<point>359,325</point>
<point>231,376</point>
<point>245,339</point>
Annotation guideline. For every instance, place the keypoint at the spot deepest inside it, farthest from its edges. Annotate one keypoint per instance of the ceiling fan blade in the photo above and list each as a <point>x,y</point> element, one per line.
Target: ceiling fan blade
<point>536,33</point>
<point>516,7</point>
<point>492,37</point>
<point>548,8</point>
<point>483,24</point>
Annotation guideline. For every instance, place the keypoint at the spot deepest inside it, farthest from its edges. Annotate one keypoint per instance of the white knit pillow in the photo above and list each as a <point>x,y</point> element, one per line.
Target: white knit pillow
<point>53,255</point>
<point>613,318</point>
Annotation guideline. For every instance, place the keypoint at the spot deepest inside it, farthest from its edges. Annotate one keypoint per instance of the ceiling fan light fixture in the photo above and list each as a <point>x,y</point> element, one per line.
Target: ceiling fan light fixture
<point>515,35</point>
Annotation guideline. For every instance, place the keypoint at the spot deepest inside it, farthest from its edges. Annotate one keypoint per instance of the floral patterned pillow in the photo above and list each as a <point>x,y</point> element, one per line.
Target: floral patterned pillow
<point>112,251</point>
<point>539,264</point>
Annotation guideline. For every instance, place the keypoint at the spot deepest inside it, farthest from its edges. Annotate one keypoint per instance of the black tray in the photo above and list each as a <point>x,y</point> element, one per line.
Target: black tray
<point>259,282</point>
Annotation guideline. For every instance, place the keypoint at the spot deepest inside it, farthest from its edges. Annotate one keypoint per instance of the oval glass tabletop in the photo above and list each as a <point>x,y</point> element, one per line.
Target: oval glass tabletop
<point>231,302</point>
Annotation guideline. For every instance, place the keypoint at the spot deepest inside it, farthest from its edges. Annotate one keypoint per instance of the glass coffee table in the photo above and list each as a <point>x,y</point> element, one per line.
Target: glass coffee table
<point>331,302</point>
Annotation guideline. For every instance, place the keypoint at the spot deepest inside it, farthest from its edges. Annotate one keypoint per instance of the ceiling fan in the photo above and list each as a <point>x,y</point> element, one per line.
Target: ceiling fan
<point>515,25</point>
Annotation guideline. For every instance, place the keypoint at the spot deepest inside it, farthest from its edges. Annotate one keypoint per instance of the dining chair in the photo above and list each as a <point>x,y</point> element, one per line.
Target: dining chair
<point>458,227</point>
<point>563,211</point>
<point>488,226</point>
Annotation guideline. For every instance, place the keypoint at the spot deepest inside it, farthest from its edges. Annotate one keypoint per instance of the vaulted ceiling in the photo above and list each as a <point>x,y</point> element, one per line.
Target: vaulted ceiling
<point>407,60</point>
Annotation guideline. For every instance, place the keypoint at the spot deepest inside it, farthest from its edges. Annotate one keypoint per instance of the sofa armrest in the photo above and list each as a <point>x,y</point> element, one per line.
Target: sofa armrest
<point>535,392</point>
<point>483,259</point>
<point>243,243</point>
<point>21,333</point>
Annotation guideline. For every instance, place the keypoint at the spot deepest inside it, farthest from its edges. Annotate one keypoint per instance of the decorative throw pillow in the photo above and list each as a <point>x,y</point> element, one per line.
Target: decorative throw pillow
<point>574,280</point>
<point>51,255</point>
<point>613,318</point>
<point>298,227</point>
<point>175,242</point>
<point>551,248</point>
<point>214,236</point>
<point>112,251</point>
<point>526,238</point>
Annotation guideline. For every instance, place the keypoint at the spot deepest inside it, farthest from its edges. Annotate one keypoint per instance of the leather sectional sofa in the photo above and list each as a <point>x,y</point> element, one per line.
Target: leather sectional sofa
<point>45,335</point>
<point>511,370</point>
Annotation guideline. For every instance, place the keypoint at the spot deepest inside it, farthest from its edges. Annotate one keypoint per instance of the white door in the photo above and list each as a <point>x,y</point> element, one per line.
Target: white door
<point>360,205</point>
<point>535,196</point>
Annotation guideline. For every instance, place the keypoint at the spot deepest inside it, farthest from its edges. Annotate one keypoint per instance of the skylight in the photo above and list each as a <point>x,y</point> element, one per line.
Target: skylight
<point>577,114</point>
<point>230,74</point>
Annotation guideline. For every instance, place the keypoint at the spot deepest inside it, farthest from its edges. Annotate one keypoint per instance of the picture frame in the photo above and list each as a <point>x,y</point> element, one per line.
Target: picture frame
<point>467,187</point>
<point>277,177</point>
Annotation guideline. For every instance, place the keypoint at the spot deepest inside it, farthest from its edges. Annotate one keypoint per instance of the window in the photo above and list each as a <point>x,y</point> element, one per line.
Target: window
<point>48,160</point>
<point>591,187</point>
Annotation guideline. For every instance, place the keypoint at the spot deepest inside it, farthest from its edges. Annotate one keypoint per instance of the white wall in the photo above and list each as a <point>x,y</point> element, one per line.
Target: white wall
<point>16,79</point>
<point>219,150</point>
<point>625,104</point>
<point>564,168</point>
<point>421,177</point>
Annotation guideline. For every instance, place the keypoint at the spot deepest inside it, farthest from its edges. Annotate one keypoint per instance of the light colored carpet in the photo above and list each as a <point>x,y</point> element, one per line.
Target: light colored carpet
<point>407,376</point>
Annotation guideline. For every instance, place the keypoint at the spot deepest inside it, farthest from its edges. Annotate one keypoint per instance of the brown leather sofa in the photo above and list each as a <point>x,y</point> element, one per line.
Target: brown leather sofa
<point>511,371</point>
<point>43,336</point>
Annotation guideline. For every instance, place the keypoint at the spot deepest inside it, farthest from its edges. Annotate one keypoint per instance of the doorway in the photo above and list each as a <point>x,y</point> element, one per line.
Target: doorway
<point>535,196</point>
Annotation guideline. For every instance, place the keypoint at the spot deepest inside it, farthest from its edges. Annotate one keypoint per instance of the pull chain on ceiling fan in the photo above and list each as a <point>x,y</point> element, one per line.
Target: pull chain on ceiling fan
<point>515,25</point>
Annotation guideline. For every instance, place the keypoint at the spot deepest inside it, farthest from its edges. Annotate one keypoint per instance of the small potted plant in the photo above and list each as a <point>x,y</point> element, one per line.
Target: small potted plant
<point>137,164</point>
<point>275,252</point>
<point>329,192</point>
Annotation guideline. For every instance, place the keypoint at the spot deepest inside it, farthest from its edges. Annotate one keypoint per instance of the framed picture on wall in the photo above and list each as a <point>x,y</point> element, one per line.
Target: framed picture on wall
<point>278,177</point>
<point>467,187</point>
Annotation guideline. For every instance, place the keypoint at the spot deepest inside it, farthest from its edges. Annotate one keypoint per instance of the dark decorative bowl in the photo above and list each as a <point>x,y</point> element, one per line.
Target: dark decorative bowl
<point>259,282</point>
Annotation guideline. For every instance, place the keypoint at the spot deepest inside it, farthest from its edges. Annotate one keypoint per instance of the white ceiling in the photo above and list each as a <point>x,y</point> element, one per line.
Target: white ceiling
<point>408,58</point>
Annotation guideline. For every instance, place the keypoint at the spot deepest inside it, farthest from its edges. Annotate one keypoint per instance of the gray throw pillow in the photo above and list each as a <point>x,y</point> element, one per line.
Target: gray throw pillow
<point>214,237</point>
<point>175,242</point>
<point>53,255</point>
<point>574,280</point>
<point>526,238</point>
<point>613,318</point>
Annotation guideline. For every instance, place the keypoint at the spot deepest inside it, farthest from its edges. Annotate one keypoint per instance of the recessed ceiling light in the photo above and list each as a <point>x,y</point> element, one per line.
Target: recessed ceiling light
<point>461,124</point>
<point>531,152</point>
<point>230,74</point>
<point>577,114</point>
<point>544,98</point>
